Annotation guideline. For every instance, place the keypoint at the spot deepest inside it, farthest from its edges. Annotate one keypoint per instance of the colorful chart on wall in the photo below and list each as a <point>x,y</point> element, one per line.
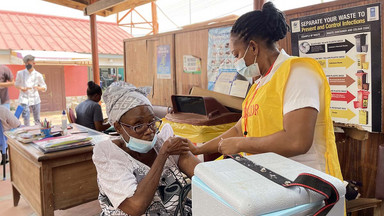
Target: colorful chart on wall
<point>221,64</point>
<point>347,44</point>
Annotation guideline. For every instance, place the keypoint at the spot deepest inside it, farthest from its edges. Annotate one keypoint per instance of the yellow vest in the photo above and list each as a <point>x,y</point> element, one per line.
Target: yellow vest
<point>265,111</point>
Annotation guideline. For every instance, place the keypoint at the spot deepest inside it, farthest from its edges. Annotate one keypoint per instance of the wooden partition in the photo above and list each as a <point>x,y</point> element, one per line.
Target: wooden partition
<point>358,158</point>
<point>191,43</point>
<point>141,61</point>
<point>140,66</point>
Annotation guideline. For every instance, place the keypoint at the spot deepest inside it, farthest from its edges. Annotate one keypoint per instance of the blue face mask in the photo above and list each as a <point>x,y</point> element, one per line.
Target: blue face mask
<point>139,145</point>
<point>250,71</point>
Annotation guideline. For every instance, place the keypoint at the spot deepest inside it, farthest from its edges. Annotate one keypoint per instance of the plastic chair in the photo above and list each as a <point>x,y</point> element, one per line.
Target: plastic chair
<point>71,115</point>
<point>3,145</point>
<point>18,111</point>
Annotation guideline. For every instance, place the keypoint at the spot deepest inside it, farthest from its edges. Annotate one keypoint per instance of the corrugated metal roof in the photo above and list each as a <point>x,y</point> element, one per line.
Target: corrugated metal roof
<point>26,31</point>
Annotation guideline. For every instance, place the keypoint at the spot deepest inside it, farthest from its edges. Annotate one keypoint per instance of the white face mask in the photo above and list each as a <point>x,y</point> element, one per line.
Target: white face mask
<point>139,145</point>
<point>250,71</point>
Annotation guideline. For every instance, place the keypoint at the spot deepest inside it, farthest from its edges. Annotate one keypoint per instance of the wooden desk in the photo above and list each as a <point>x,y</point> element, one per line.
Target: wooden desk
<point>52,181</point>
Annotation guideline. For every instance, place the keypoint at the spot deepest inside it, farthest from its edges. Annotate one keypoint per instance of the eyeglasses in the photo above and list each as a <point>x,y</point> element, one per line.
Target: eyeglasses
<point>141,128</point>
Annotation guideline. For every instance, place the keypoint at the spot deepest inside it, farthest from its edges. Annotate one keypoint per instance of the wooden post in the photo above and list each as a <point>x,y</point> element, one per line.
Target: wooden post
<point>95,49</point>
<point>154,18</point>
<point>258,4</point>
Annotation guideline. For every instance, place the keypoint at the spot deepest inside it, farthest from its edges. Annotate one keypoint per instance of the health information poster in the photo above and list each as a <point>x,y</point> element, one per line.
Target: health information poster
<point>347,44</point>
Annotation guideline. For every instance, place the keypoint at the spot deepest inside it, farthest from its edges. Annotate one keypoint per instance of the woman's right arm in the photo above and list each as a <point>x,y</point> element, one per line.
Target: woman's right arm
<point>212,146</point>
<point>98,119</point>
<point>100,126</point>
<point>145,191</point>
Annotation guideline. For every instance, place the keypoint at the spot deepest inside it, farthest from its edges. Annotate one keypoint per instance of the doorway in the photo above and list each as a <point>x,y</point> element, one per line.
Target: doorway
<point>54,98</point>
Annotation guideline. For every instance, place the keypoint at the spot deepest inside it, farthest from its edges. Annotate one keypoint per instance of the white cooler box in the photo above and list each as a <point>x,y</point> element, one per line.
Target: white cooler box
<point>226,187</point>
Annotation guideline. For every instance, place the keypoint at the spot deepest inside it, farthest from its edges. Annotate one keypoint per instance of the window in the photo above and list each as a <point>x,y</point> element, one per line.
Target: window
<point>108,75</point>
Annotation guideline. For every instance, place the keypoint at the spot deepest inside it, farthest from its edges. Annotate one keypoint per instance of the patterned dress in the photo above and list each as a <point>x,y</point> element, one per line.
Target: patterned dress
<point>119,174</point>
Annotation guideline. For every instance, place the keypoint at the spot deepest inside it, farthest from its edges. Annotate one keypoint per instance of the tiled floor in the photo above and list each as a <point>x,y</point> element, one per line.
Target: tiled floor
<point>23,209</point>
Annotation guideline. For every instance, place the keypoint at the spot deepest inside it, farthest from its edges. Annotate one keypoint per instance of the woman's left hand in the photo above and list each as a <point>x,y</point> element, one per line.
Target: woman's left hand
<point>229,146</point>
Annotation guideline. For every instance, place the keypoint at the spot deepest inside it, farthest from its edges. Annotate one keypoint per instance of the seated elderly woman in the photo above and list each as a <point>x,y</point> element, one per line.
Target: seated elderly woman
<point>145,174</point>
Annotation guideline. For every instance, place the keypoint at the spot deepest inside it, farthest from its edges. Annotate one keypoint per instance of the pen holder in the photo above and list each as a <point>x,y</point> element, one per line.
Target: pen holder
<point>46,132</point>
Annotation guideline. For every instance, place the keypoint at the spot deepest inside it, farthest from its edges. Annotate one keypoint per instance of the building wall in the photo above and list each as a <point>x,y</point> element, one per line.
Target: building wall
<point>75,78</point>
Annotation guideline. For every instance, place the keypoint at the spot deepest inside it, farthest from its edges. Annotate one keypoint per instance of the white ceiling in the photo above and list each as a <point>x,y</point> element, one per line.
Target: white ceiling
<point>178,12</point>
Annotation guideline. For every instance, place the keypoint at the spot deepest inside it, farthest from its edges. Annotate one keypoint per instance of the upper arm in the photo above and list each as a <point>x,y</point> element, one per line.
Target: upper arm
<point>98,118</point>
<point>301,106</point>
<point>299,126</point>
<point>187,163</point>
<point>99,125</point>
<point>302,89</point>
<point>97,114</point>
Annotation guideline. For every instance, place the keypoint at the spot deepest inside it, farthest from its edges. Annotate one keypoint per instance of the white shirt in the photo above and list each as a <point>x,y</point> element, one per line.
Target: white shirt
<point>303,89</point>
<point>26,79</point>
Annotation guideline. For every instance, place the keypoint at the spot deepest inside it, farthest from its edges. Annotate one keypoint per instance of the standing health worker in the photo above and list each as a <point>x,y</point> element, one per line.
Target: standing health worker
<point>287,110</point>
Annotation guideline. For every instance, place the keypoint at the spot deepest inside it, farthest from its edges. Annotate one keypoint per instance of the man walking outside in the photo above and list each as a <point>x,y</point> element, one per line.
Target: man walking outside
<point>30,82</point>
<point>6,80</point>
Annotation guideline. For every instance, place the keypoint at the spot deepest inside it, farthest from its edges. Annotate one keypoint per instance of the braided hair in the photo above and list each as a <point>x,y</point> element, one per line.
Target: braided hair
<point>266,24</point>
<point>93,89</point>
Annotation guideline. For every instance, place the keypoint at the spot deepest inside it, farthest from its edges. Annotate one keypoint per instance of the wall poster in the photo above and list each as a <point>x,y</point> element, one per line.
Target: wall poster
<point>164,62</point>
<point>221,71</point>
<point>347,44</point>
<point>191,64</point>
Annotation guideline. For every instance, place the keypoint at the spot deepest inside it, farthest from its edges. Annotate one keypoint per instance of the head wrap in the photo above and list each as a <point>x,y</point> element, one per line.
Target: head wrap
<point>120,97</point>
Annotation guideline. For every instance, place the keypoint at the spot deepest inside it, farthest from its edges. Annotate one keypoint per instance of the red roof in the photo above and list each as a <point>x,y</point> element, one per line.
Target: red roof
<point>26,31</point>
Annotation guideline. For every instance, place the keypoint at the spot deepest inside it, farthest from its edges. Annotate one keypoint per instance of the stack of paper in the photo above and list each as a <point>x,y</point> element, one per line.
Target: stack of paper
<point>64,142</point>
<point>26,134</point>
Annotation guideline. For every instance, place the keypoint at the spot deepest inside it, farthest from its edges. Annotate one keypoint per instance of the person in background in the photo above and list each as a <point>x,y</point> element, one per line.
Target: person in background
<point>143,172</point>
<point>287,110</point>
<point>9,121</point>
<point>30,82</point>
<point>6,80</point>
<point>88,113</point>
